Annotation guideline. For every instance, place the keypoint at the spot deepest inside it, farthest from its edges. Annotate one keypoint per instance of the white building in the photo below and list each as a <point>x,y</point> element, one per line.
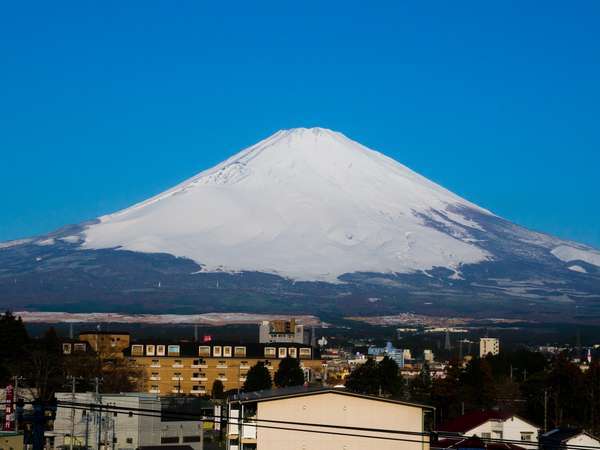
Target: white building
<point>563,438</point>
<point>285,331</point>
<point>494,425</point>
<point>111,428</point>
<point>488,345</point>
<point>325,419</point>
<point>428,356</point>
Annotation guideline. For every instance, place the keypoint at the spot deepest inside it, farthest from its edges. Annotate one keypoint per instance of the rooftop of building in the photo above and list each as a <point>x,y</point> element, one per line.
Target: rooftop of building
<point>303,391</point>
<point>559,435</point>
<point>104,332</point>
<point>473,419</point>
<point>475,443</point>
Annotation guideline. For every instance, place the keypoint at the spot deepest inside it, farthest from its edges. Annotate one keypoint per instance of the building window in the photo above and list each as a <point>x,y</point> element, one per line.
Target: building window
<point>217,351</point>
<point>293,352</point>
<point>497,434</point>
<point>227,351</point>
<point>66,349</point>
<point>79,347</point>
<point>270,352</point>
<point>240,352</point>
<point>526,436</point>
<point>137,350</point>
<point>204,350</point>
<point>305,352</point>
<point>485,435</point>
<point>150,350</point>
<point>282,352</point>
<point>160,350</point>
<point>173,350</point>
<point>155,363</point>
<point>191,439</point>
<point>129,440</point>
<point>169,440</point>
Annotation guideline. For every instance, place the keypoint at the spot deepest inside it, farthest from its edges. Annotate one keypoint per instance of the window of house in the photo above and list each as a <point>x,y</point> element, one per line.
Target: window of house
<point>304,352</point>
<point>497,434</point>
<point>239,352</point>
<point>526,436</point>
<point>169,440</point>
<point>129,440</point>
<point>154,387</point>
<point>160,350</point>
<point>204,350</point>
<point>150,350</point>
<point>79,347</point>
<point>270,352</point>
<point>173,350</point>
<point>485,435</point>
<point>191,439</point>
<point>155,374</point>
<point>227,351</point>
<point>217,351</point>
<point>137,350</point>
<point>177,362</point>
<point>66,349</point>
<point>293,352</point>
<point>156,362</point>
<point>282,352</point>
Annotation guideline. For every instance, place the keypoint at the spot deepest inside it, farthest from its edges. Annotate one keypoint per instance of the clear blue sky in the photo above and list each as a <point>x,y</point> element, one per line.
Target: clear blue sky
<point>103,104</point>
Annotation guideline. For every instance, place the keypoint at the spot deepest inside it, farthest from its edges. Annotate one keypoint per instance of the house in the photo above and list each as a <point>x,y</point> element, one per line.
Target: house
<point>492,425</point>
<point>563,438</point>
<point>322,419</point>
<point>474,443</point>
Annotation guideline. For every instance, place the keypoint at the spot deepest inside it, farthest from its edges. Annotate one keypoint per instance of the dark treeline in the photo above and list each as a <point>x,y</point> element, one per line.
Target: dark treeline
<point>43,369</point>
<point>524,382</point>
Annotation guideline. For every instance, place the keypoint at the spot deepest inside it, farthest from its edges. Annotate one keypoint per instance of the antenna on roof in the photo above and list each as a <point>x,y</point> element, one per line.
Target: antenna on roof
<point>71,330</point>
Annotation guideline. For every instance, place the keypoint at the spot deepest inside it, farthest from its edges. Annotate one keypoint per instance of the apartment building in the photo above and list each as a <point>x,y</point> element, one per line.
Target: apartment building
<point>489,345</point>
<point>323,419</point>
<point>106,343</point>
<point>192,368</point>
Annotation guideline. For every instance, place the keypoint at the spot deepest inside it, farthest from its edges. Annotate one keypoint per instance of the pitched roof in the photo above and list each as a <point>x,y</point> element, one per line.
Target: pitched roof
<point>475,442</point>
<point>471,420</point>
<point>302,391</point>
<point>560,435</point>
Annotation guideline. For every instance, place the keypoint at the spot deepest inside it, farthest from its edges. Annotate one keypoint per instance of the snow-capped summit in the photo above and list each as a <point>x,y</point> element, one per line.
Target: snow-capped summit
<point>307,204</point>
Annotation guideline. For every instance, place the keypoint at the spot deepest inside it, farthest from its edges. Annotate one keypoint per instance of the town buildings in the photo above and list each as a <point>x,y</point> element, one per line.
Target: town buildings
<point>323,419</point>
<point>283,331</point>
<point>192,368</point>
<point>488,345</point>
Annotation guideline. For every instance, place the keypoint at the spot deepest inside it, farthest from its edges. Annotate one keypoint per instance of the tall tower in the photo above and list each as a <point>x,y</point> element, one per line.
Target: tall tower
<point>447,344</point>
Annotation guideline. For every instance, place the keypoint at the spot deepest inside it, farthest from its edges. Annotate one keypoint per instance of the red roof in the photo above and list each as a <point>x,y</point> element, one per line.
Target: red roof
<point>471,420</point>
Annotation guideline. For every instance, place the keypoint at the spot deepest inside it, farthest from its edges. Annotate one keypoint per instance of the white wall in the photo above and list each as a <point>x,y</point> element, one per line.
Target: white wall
<point>339,409</point>
<point>509,429</point>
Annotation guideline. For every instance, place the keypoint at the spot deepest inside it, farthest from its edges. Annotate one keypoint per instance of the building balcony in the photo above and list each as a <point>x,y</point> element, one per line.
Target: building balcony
<point>155,378</point>
<point>155,365</point>
<point>222,378</point>
<point>221,366</point>
<point>177,378</point>
<point>154,391</point>
<point>177,391</point>
<point>244,366</point>
<point>199,366</point>
<point>199,378</point>
<point>177,366</point>
<point>243,379</point>
<point>198,391</point>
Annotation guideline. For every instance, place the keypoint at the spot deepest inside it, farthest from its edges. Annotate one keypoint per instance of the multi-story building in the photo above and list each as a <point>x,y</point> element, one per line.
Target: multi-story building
<point>192,368</point>
<point>282,331</point>
<point>106,343</point>
<point>323,418</point>
<point>488,345</point>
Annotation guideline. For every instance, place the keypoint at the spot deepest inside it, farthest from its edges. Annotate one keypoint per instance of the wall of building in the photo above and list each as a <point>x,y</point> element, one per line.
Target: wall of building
<point>343,410</point>
<point>11,441</point>
<point>584,440</point>
<point>508,429</point>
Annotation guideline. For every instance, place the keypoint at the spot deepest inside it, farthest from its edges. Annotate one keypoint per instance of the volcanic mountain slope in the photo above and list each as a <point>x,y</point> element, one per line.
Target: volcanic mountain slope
<point>311,215</point>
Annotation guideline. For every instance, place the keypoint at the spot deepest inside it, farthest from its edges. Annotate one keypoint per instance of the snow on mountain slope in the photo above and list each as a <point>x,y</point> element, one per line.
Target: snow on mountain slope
<point>308,204</point>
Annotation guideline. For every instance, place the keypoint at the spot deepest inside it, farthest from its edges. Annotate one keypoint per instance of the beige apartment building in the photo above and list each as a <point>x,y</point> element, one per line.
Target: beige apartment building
<point>191,368</point>
<point>324,419</point>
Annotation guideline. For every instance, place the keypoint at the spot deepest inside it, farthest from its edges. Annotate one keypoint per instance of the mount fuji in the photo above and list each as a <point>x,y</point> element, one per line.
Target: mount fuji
<point>306,220</point>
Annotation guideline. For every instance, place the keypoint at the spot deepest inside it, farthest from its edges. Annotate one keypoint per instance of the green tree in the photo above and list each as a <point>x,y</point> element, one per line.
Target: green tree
<point>218,390</point>
<point>592,388</point>
<point>14,346</point>
<point>258,378</point>
<point>420,387</point>
<point>289,373</point>
<point>45,372</point>
<point>478,385</point>
<point>376,378</point>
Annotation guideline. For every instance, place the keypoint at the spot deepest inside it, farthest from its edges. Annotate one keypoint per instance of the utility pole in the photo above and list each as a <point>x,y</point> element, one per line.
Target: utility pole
<point>99,413</point>
<point>15,400</point>
<point>73,381</point>
<point>545,410</point>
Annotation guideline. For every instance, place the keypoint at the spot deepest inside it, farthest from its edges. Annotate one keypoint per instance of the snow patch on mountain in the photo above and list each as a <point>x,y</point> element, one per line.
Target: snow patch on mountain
<point>568,253</point>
